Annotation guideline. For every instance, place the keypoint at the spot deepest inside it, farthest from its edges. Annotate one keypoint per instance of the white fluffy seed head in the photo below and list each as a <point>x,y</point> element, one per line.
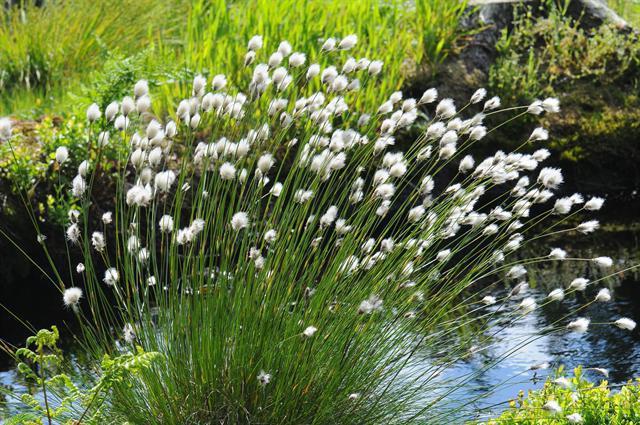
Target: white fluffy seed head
<point>625,323</point>
<point>62,154</point>
<point>71,296</point>
<point>580,325</point>
<point>239,221</point>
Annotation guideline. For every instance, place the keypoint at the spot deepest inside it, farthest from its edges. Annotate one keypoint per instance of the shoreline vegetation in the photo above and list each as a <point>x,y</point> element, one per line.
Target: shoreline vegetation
<point>268,229</point>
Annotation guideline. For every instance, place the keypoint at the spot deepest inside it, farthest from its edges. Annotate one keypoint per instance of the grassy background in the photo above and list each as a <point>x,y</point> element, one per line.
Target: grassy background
<point>48,67</point>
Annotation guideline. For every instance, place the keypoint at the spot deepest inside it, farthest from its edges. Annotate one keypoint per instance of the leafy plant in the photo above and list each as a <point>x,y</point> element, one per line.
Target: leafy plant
<point>580,401</point>
<point>540,56</point>
<point>60,400</point>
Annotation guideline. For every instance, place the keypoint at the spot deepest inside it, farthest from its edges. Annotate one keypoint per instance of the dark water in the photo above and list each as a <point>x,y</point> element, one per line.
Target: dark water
<point>603,346</point>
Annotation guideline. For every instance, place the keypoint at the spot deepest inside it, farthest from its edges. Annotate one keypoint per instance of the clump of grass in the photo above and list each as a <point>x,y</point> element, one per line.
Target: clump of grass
<point>288,262</point>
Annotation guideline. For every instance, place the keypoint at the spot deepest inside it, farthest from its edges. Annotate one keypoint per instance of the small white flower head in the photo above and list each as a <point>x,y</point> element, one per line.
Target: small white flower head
<point>562,206</point>
<point>107,218</point>
<point>348,42</point>
<point>152,281</point>
<point>255,43</point>
<point>297,59</point>
<point>539,134</point>
<point>111,276</point>
<point>249,58</point>
<point>103,138</point>
<point>551,105</point>
<point>478,96</point>
<point>71,297</point>
<point>604,262</point>
<point>199,85</point>
<point>416,213</point>
<point>111,111</point>
<point>133,244</point>
<point>83,168</point>
<point>580,325</point>
<point>219,82</point>
<point>141,88</point>
<point>550,177</point>
<point>275,60</point>
<point>62,154</point>
<point>556,295</point>
<point>270,236</point>
<point>164,180</point>
<point>313,71</point>
<point>588,226</point>
<point>264,378</point>
<point>541,154</point>
<point>478,132</point>
<point>594,204</point>
<point>579,284</point>
<point>227,171</point>
<point>375,67</point>
<point>489,300</point>
<point>93,112</point>
<point>239,221</point>
<point>429,96</point>
<point>276,190</point>
<point>528,305</point>
<point>309,331</point>
<point>535,107</point>
<point>329,45</point>
<point>265,162</point>
<point>73,233</point>
<point>78,186</point>
<point>98,242</point>
<point>492,103</point>
<point>127,106</point>
<point>558,254</point>
<point>128,333</point>
<point>466,164</point>
<point>625,323</point>
<point>575,418</point>
<point>370,305</point>
<point>552,406</point>
<point>603,296</point>
<point>516,272</point>
<point>443,255</point>
<point>195,121</point>
<point>80,268</point>
<point>143,255</point>
<point>284,48</point>
<point>354,396</point>
<point>143,104</point>
<point>446,109</point>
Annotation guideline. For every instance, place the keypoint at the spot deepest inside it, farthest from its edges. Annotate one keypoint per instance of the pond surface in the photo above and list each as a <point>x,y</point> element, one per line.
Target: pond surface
<point>493,385</point>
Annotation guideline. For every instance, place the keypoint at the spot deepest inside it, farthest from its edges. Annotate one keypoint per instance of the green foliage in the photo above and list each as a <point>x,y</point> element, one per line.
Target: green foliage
<point>597,404</point>
<point>41,48</point>
<point>28,166</point>
<point>40,63</point>
<point>545,55</point>
<point>60,400</point>
<point>628,9</point>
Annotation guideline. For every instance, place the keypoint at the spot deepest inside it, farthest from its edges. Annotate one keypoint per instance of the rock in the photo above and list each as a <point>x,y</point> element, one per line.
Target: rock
<point>593,13</point>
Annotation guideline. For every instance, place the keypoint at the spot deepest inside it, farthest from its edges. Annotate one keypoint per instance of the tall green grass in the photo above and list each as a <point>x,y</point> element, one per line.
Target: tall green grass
<point>41,60</point>
<point>45,50</point>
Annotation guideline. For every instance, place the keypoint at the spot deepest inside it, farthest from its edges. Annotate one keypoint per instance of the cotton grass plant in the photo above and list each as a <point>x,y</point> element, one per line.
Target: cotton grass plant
<point>288,261</point>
